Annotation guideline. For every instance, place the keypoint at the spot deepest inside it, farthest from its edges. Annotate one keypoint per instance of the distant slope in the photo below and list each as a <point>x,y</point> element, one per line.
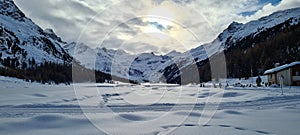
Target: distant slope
<point>117,62</point>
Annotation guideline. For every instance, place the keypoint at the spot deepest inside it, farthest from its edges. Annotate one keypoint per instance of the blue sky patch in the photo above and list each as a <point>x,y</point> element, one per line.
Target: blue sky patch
<point>248,13</point>
<point>262,3</point>
<point>273,2</point>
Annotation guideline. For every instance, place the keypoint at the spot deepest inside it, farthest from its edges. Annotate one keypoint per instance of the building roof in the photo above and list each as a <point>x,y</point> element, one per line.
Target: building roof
<point>280,68</point>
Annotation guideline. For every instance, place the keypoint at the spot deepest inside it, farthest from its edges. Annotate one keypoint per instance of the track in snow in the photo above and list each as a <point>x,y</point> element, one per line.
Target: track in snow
<point>264,103</point>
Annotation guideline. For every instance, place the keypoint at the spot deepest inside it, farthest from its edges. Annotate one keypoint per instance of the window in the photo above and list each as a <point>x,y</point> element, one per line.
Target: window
<point>297,73</point>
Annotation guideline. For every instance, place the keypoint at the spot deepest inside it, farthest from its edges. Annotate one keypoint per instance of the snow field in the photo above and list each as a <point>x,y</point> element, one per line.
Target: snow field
<point>89,108</point>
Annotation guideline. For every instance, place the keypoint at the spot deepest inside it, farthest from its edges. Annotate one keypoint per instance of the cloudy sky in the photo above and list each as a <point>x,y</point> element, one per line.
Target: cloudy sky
<point>146,25</point>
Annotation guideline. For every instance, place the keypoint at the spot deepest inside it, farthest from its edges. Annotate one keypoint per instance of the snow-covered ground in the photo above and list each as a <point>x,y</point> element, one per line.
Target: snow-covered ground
<point>89,108</point>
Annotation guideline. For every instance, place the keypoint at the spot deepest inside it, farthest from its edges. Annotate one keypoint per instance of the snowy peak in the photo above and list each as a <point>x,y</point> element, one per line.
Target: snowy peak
<point>8,8</point>
<point>81,47</point>
<point>233,27</point>
<point>117,62</point>
<point>50,33</point>
<point>237,31</point>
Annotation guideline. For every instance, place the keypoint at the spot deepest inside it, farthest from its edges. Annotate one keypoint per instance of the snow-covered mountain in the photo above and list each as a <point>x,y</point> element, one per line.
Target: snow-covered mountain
<point>151,67</point>
<point>117,62</point>
<point>236,31</point>
<point>23,43</point>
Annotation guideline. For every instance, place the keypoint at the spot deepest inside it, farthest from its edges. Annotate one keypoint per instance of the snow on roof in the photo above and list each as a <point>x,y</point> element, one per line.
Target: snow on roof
<point>273,70</point>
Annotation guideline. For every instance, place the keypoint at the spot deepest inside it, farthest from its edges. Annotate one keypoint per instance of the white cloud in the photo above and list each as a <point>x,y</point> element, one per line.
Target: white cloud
<point>117,22</point>
<point>269,8</point>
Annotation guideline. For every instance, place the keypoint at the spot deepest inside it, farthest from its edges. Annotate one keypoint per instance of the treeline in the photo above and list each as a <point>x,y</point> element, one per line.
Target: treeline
<point>82,74</point>
<point>47,72</point>
<point>53,73</point>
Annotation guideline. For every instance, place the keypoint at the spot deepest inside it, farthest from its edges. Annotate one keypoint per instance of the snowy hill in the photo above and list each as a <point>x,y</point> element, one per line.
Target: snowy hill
<point>24,43</point>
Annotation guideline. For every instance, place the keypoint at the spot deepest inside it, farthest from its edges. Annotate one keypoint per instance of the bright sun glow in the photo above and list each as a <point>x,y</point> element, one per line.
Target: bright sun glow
<point>161,15</point>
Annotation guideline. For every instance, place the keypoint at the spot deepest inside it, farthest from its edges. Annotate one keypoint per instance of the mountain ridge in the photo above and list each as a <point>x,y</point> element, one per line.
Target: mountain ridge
<point>24,44</point>
<point>235,32</point>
